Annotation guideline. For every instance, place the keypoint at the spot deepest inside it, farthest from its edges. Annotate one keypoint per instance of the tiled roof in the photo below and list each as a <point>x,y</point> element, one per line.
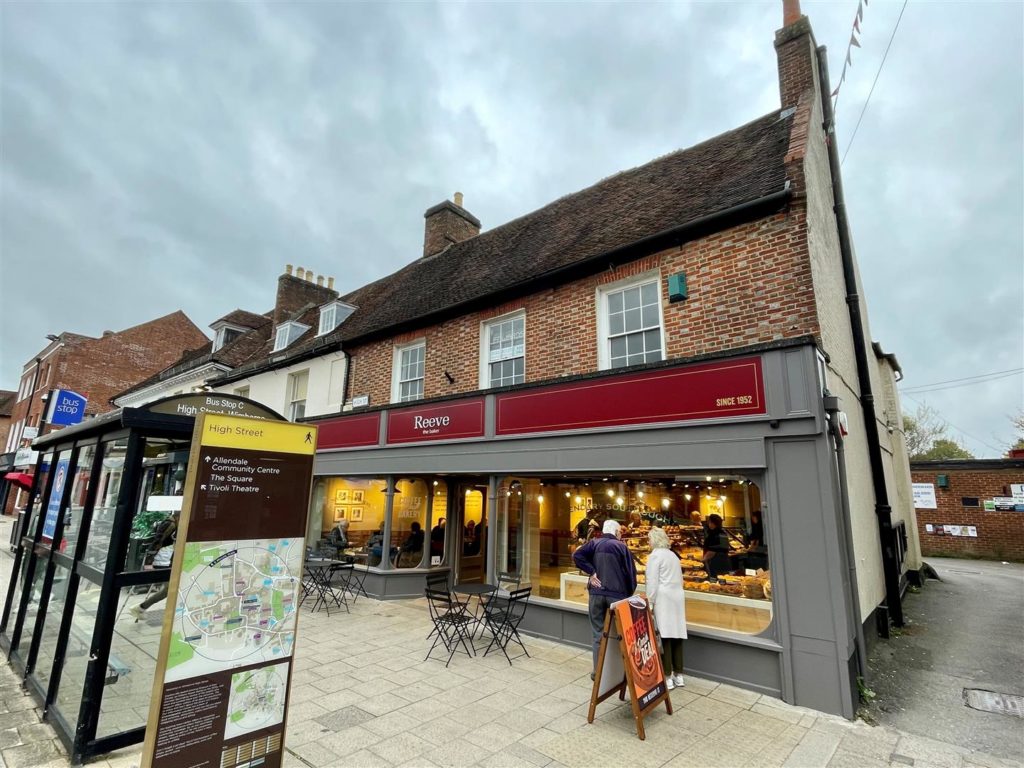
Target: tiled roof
<point>736,167</point>
<point>7,400</point>
<point>242,319</point>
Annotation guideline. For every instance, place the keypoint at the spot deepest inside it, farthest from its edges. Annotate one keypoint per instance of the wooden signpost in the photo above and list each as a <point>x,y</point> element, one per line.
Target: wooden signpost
<point>220,693</point>
<point>636,667</point>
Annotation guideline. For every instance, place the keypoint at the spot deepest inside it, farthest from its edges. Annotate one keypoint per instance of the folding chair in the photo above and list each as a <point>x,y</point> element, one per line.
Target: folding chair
<point>502,616</point>
<point>339,595</point>
<point>451,624</point>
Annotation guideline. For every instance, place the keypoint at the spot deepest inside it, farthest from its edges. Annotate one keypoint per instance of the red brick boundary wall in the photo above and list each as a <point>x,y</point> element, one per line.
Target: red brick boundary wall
<point>1000,533</point>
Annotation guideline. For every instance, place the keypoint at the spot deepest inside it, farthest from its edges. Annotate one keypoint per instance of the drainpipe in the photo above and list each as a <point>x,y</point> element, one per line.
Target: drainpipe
<point>883,512</point>
<point>832,409</point>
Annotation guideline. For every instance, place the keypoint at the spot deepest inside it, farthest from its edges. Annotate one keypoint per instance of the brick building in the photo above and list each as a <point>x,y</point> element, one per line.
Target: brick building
<point>7,399</point>
<point>97,368</point>
<point>679,340</point>
<point>970,508</point>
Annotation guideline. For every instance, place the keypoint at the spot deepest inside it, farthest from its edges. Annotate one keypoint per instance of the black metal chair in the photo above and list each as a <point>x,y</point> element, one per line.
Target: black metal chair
<point>502,616</point>
<point>343,572</point>
<point>451,624</point>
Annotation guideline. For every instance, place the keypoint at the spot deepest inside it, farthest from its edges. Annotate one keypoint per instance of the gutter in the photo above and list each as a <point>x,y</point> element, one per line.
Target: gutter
<point>883,512</point>
<point>691,230</point>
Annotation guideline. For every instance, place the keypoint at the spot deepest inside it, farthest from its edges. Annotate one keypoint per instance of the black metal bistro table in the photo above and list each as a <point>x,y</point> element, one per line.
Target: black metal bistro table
<point>480,591</point>
<point>319,569</point>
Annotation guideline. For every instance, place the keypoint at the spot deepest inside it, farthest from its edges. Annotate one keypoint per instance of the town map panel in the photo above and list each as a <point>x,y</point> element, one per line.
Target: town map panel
<point>236,605</point>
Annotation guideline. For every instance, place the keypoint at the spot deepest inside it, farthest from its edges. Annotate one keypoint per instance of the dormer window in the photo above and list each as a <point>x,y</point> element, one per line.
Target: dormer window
<point>287,333</point>
<point>332,315</point>
<point>225,335</point>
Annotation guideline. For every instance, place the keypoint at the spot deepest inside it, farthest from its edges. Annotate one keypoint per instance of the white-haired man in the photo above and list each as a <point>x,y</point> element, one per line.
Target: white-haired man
<point>612,575</point>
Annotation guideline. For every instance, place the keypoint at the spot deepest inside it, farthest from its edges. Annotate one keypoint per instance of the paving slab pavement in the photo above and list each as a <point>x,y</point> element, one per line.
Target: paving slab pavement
<point>363,695</point>
<point>965,631</point>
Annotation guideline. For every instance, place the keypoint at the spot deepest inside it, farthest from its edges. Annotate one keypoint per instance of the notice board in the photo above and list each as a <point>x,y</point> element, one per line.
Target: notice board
<point>628,662</point>
<point>220,694</point>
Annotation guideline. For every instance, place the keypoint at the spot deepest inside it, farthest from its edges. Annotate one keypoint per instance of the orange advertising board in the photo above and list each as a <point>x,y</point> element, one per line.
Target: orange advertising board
<point>641,650</point>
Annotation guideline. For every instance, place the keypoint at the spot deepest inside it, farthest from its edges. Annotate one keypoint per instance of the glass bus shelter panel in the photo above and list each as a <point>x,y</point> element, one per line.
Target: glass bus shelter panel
<point>68,701</point>
<point>59,593</point>
<point>161,493</point>
<point>61,587</point>
<point>101,524</point>
<point>134,646</point>
<point>44,524</point>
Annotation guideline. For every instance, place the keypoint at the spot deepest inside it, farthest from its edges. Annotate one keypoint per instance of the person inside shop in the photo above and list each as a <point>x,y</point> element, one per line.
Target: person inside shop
<point>376,546</point>
<point>665,594</point>
<point>411,551</point>
<point>636,520</point>
<point>581,528</point>
<point>755,538</point>
<point>437,539</point>
<point>606,560</point>
<point>471,538</point>
<point>757,554</point>
<point>716,548</point>
<point>162,551</point>
<point>338,537</point>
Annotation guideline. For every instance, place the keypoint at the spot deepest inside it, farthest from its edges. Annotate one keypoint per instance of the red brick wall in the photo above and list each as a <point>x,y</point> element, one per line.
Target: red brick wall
<point>1000,534</point>
<point>747,285</point>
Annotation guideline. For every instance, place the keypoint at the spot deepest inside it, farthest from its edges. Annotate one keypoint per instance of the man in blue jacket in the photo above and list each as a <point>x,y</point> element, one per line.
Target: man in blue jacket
<point>612,575</point>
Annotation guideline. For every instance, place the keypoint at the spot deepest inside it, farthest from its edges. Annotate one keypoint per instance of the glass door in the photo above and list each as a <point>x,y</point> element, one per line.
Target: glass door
<point>470,546</point>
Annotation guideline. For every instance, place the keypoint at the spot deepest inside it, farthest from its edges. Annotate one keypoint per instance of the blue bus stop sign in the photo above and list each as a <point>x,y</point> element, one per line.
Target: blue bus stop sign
<point>66,408</point>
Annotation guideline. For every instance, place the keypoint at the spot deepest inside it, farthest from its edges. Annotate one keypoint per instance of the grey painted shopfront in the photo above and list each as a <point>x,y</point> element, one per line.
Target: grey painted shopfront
<point>805,652</point>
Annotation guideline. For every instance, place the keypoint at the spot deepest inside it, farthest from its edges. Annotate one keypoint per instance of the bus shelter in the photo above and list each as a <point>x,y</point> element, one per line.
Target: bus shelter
<point>83,565</point>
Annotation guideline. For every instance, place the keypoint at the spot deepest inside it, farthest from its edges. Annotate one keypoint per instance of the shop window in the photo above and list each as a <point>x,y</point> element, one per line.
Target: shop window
<point>361,502</point>
<point>437,551</point>
<point>541,523</point>
<point>408,523</point>
<point>503,352</point>
<point>630,324</point>
<point>298,383</point>
<point>409,372</point>
<point>101,525</point>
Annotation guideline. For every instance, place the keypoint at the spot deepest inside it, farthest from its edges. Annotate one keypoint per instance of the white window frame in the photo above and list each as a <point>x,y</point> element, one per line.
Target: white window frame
<point>288,339</point>
<point>219,339</point>
<point>604,362</point>
<point>242,391</point>
<point>485,343</point>
<point>293,378</point>
<point>327,314</point>
<point>396,370</point>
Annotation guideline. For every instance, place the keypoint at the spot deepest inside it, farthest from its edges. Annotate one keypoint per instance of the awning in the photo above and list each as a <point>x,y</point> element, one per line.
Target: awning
<point>22,479</point>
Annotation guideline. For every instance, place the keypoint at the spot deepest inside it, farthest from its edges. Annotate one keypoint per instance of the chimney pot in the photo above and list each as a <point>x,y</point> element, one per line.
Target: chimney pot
<point>300,273</point>
<point>287,269</point>
<point>790,12</point>
<point>458,199</point>
<point>330,283</point>
<point>320,280</point>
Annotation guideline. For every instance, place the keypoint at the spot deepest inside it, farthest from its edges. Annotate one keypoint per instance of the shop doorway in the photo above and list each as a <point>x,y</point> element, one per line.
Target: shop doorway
<point>468,536</point>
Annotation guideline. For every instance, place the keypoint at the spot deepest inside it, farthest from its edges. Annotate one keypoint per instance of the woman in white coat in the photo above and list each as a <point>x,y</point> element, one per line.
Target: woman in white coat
<point>665,593</point>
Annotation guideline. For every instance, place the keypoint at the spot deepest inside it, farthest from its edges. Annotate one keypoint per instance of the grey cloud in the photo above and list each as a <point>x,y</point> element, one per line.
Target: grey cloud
<point>158,156</point>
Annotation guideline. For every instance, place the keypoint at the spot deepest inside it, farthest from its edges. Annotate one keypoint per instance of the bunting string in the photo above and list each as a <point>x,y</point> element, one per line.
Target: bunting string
<point>858,19</point>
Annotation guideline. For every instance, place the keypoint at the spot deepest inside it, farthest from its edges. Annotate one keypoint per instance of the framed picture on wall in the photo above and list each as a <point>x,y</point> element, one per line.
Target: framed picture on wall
<point>358,495</point>
<point>356,514</point>
<point>339,513</point>
<point>341,496</point>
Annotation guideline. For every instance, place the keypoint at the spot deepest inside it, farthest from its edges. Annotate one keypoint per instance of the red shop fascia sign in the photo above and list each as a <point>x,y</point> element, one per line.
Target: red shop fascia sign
<point>715,390</point>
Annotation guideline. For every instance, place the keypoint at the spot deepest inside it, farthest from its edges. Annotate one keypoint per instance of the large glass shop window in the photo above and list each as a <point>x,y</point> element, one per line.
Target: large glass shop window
<point>407,525</point>
<point>714,525</point>
<point>361,503</point>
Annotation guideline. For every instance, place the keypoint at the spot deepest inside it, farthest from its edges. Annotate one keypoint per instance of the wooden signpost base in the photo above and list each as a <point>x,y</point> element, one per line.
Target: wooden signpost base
<point>615,672</point>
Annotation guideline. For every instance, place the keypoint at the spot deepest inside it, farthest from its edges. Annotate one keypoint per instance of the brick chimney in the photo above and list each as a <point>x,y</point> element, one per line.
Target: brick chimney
<point>295,291</point>
<point>448,223</point>
<point>795,49</point>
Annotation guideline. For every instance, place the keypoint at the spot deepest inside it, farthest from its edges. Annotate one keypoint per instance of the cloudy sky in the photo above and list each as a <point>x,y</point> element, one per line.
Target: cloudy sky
<point>157,157</point>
